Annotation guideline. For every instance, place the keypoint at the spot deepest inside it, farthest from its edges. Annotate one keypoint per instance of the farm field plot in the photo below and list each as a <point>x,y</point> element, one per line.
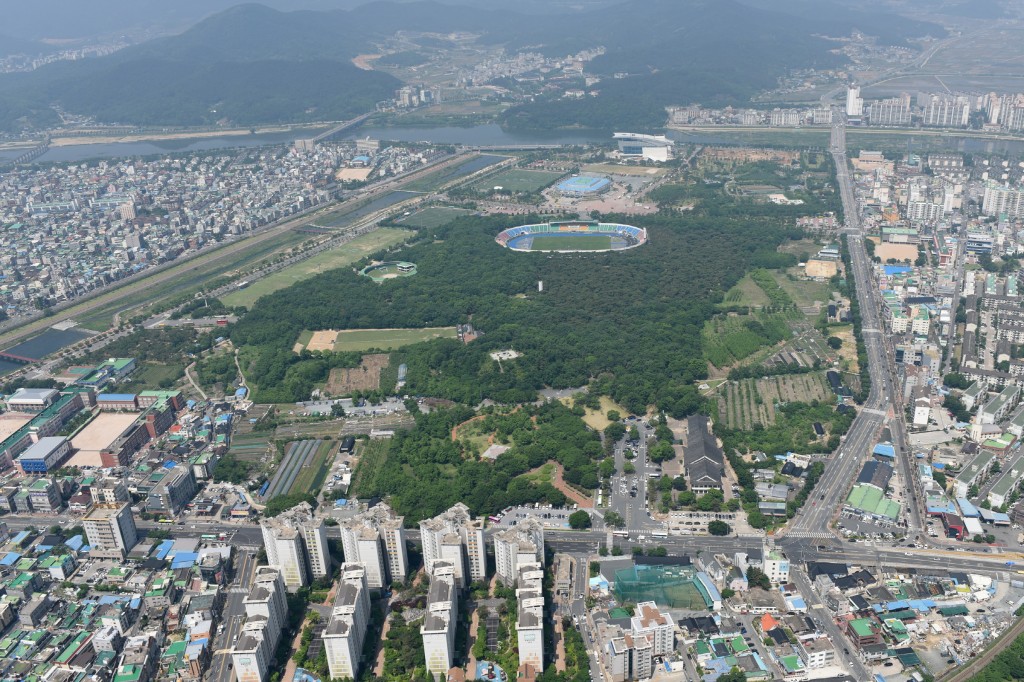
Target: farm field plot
<point>345,254</point>
<point>746,292</point>
<point>597,242</point>
<point>752,401</point>
<point>435,216</point>
<point>731,338</point>
<point>388,339</point>
<point>365,377</point>
<point>372,455</point>
<point>517,180</point>
<point>250,447</point>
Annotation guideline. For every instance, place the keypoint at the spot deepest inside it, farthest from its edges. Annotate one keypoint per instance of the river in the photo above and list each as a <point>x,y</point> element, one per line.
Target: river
<point>491,134</point>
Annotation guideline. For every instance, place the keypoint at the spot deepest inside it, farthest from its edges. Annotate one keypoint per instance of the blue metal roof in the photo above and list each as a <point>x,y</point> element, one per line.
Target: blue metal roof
<point>75,543</point>
<point>10,559</point>
<point>885,450</point>
<point>115,397</point>
<point>967,509</point>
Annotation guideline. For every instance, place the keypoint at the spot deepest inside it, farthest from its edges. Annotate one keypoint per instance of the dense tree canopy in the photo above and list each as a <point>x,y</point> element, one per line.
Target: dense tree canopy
<point>634,317</point>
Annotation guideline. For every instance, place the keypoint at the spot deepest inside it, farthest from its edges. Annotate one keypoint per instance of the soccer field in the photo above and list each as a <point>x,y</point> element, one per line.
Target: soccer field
<point>590,242</point>
<point>388,339</point>
<point>432,217</point>
<point>516,180</point>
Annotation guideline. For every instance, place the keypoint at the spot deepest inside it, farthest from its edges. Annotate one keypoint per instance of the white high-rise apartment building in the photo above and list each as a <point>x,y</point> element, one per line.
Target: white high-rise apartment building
<point>649,621</point>
<point>854,102</point>
<point>266,612</point>
<point>438,629</point>
<point>523,544</point>
<point>374,539</point>
<point>297,542</point>
<point>530,619</point>
<point>455,537</point>
<point>343,638</point>
<point>1001,200</point>
<point>110,528</point>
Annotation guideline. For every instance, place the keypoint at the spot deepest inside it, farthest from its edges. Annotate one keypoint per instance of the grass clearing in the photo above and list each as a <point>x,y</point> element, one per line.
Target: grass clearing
<point>616,169</point>
<point>805,293</point>
<point>372,456</point>
<point>848,351</point>
<point>152,373</point>
<point>389,339</point>
<point>347,253</point>
<point>517,180</point>
<point>433,217</point>
<point>545,473</point>
<point>598,419</point>
<point>596,242</point>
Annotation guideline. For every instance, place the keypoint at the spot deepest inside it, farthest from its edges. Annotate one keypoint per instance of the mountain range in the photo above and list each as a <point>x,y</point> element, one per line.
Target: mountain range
<point>252,64</point>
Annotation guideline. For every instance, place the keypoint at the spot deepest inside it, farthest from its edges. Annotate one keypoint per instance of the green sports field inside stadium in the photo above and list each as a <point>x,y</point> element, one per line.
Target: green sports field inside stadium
<point>558,242</point>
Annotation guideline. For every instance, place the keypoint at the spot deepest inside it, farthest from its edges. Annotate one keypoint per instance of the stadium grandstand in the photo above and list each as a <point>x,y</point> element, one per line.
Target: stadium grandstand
<point>650,147</point>
<point>574,235</point>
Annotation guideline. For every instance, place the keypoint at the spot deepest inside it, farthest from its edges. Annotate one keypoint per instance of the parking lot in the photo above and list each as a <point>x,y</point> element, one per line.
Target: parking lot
<point>548,516</point>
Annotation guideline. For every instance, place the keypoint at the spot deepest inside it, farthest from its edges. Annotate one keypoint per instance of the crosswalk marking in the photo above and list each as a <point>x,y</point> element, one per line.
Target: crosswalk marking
<point>823,535</point>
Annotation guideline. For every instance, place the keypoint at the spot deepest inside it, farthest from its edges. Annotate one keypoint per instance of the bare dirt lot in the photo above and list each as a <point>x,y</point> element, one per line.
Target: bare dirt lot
<point>897,251</point>
<point>365,377</point>
<point>322,340</point>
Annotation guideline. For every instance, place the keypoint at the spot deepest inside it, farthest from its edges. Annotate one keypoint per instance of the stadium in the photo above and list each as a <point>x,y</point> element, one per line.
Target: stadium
<point>379,272</point>
<point>572,236</point>
<point>583,186</point>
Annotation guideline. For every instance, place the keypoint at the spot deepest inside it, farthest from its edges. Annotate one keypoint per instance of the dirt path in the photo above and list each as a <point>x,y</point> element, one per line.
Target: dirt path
<point>378,667</point>
<point>191,380</point>
<point>559,482</point>
<point>473,628</point>
<point>289,671</point>
<point>559,646</point>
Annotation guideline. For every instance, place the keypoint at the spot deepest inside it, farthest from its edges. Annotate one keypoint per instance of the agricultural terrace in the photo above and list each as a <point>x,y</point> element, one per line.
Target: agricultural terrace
<point>435,216</point>
<point>754,401</point>
<point>517,181</point>
<point>343,255</point>
<point>733,337</point>
<point>365,377</point>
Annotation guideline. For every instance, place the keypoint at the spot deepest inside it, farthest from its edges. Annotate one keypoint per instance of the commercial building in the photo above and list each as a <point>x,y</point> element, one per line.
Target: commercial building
<point>296,540</point>
<point>439,625</point>
<point>854,102</point>
<point>346,630</point>
<point>530,618</point>
<point>44,455</point>
<point>454,536</point>
<point>374,539</point>
<point>513,547</point>
<point>703,460</point>
<point>175,490</point>
<point>110,528</point>
<point>776,566</point>
<point>266,612</point>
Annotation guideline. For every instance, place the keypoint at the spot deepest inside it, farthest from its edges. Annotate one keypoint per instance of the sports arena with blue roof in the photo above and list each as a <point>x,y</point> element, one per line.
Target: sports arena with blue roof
<point>583,185</point>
